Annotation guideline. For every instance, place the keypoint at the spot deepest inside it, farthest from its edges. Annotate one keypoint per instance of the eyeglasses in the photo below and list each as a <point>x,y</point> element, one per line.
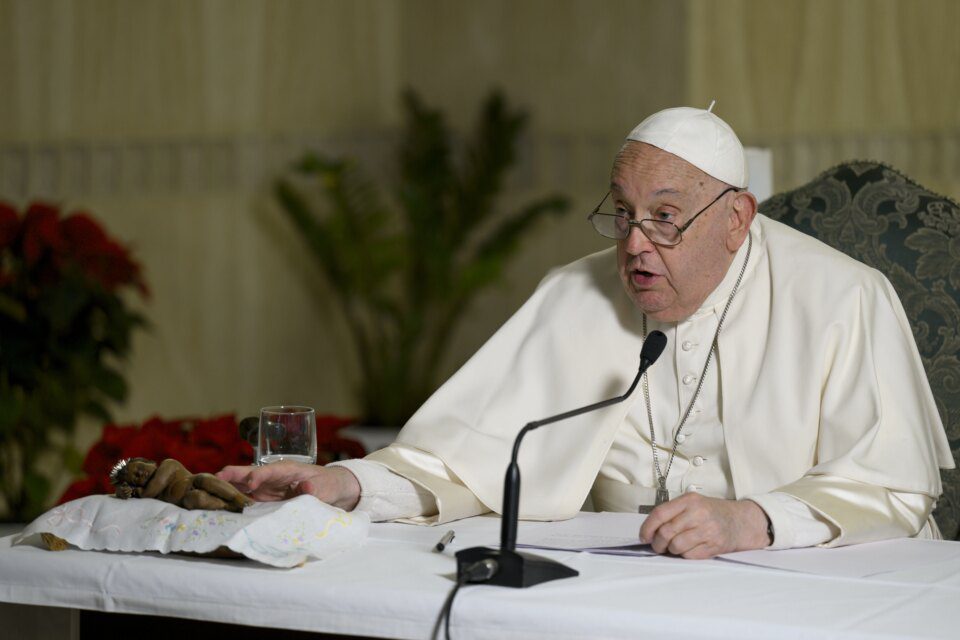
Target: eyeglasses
<point>617,225</point>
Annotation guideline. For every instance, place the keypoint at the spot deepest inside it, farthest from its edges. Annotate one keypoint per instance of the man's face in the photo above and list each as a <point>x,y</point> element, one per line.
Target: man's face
<point>670,283</point>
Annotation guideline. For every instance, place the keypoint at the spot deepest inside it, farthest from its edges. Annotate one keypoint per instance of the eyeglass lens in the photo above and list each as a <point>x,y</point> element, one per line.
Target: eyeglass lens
<point>617,227</point>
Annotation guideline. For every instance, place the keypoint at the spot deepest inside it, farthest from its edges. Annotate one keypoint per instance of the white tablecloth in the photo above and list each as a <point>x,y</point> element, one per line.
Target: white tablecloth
<point>395,584</point>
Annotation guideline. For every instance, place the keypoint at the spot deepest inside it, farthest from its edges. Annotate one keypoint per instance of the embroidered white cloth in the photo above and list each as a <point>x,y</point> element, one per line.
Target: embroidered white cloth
<point>280,534</point>
<point>396,583</point>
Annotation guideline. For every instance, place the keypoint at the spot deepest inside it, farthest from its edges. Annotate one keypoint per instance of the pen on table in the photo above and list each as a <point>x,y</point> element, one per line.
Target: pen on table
<point>445,540</point>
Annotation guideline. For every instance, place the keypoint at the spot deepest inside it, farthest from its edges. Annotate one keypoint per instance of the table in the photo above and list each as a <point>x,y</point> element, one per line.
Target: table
<point>395,584</point>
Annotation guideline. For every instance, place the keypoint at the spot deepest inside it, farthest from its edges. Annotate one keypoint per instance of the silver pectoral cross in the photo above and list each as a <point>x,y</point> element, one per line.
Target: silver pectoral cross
<point>662,494</point>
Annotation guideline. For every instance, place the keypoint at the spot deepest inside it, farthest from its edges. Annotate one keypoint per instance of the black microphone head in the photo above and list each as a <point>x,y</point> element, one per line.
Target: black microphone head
<point>652,347</point>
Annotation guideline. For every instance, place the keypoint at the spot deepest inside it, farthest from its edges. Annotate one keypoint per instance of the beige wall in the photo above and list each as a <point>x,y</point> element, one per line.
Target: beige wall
<point>168,119</point>
<point>822,81</point>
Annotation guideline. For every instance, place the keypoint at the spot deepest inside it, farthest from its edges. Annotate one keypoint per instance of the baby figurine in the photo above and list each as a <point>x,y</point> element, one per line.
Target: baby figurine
<point>171,482</point>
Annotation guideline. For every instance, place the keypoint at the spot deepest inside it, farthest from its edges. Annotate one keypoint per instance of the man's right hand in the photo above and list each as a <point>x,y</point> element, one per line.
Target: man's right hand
<point>282,480</point>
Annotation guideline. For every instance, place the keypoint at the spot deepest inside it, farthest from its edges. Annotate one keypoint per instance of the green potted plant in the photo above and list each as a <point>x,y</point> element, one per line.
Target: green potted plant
<point>64,328</point>
<point>404,275</point>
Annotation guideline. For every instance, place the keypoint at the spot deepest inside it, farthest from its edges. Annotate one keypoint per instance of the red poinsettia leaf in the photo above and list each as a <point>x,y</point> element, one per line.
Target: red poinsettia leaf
<point>152,445</point>
<point>40,232</point>
<point>241,453</point>
<point>167,429</point>
<point>201,445</point>
<point>100,458</point>
<point>178,450</point>
<point>219,431</point>
<point>83,235</point>
<point>99,256</point>
<point>118,435</point>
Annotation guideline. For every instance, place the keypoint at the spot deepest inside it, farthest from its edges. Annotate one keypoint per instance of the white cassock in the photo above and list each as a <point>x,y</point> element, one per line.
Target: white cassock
<point>816,405</point>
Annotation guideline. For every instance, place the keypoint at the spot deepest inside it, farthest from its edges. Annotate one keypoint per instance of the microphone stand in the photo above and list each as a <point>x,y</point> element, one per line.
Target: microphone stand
<point>509,567</point>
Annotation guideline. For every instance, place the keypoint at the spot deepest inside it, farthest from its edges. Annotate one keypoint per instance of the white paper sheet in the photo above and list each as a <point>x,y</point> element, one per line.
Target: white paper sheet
<point>595,532</point>
<point>611,533</point>
<point>856,561</point>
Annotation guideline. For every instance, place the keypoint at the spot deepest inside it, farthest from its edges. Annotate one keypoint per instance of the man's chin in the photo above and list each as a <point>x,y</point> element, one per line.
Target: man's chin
<point>654,307</point>
<point>650,308</point>
<point>660,316</point>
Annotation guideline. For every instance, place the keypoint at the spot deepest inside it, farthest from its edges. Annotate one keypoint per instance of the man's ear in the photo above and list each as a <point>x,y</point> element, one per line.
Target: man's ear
<point>742,212</point>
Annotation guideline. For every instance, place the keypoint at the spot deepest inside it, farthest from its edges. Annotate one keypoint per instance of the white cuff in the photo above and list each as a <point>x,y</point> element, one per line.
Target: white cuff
<point>385,495</point>
<point>794,523</point>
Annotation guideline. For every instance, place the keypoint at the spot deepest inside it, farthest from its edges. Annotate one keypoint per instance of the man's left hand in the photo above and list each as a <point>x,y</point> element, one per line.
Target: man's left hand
<point>694,526</point>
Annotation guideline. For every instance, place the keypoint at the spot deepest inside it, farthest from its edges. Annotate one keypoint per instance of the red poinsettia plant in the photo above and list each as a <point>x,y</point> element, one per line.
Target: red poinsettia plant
<point>201,445</point>
<point>64,328</point>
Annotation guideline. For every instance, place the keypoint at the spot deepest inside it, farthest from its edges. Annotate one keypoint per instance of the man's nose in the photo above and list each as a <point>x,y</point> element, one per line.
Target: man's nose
<point>636,241</point>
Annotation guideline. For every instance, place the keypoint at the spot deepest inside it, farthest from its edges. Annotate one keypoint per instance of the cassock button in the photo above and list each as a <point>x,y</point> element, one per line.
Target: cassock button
<point>681,437</point>
<point>689,378</point>
<point>686,345</point>
<point>698,461</point>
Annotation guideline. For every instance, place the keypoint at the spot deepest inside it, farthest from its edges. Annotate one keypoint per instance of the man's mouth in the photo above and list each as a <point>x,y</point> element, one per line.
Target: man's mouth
<point>643,278</point>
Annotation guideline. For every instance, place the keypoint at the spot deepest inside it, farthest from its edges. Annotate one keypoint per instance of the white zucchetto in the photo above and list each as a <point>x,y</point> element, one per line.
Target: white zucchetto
<point>699,137</point>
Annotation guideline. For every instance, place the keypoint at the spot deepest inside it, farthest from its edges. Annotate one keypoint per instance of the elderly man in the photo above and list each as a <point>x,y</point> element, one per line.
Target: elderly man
<point>789,409</point>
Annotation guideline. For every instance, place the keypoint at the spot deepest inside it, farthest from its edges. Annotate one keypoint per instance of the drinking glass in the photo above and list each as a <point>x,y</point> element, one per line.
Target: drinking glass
<point>287,433</point>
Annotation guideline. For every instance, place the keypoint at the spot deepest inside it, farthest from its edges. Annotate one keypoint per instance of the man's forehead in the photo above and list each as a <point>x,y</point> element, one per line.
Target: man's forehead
<point>647,170</point>
<point>622,187</point>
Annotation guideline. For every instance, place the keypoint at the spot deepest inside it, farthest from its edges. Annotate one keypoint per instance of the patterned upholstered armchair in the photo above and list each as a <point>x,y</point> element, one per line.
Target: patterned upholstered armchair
<point>877,215</point>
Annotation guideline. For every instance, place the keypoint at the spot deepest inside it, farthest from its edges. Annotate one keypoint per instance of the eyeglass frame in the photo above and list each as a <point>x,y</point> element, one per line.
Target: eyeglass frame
<point>639,223</point>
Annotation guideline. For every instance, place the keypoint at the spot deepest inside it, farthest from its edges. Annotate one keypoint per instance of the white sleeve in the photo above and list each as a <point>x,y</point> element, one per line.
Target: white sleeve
<point>796,524</point>
<point>385,495</point>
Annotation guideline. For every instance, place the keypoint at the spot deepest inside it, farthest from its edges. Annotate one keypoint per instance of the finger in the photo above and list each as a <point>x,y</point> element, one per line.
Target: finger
<point>665,536</point>
<point>272,492</point>
<point>236,477</point>
<point>667,533</point>
<point>661,514</point>
<point>703,551</point>
<point>233,474</point>
<point>277,481</point>
<point>257,483</point>
<point>680,533</point>
<point>684,542</point>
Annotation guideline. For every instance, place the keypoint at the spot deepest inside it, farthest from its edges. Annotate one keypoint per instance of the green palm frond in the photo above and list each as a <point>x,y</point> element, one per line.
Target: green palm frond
<point>404,276</point>
<point>487,159</point>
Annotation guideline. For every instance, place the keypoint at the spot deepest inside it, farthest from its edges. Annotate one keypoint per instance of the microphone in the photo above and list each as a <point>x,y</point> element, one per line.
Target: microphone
<point>523,570</point>
<point>652,348</point>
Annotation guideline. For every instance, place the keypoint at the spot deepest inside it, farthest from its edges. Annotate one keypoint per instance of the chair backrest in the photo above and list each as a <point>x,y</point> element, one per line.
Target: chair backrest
<point>882,218</point>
